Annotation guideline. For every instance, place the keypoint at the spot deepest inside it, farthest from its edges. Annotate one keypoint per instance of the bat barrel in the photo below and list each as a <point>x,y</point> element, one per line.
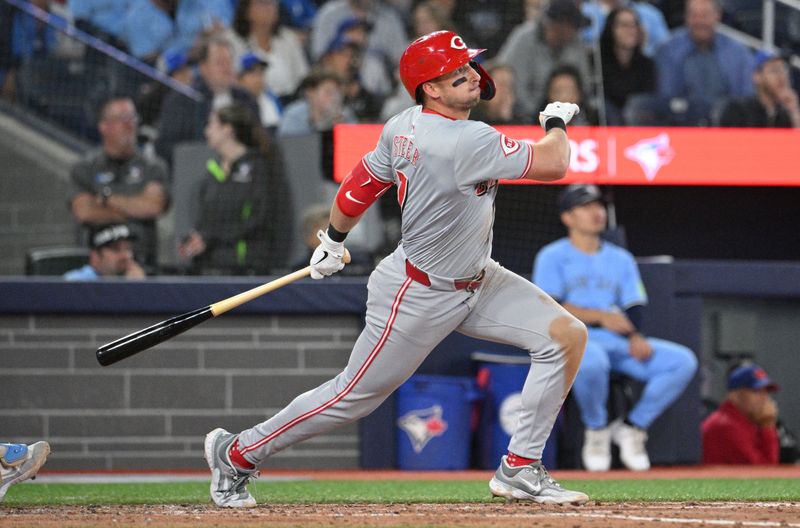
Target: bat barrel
<point>152,335</point>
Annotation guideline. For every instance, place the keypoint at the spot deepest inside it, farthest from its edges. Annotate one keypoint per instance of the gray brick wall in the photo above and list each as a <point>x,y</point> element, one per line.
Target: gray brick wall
<point>153,410</point>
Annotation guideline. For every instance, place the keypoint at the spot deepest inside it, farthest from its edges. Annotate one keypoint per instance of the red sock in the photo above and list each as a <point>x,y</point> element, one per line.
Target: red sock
<point>516,460</point>
<point>239,461</point>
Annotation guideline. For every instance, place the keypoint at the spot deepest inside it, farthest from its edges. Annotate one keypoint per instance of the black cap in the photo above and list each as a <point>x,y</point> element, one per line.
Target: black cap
<point>566,11</point>
<point>108,234</point>
<point>578,194</point>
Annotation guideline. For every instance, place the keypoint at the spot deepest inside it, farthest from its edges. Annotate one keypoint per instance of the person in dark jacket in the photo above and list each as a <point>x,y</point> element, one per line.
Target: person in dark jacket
<point>182,118</point>
<point>244,226</point>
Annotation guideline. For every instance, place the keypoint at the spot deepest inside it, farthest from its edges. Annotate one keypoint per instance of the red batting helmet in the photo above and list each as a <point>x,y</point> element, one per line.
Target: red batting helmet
<point>438,53</point>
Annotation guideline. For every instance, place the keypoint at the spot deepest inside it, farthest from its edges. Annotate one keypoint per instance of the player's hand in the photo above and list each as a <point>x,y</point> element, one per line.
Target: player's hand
<point>638,347</point>
<point>616,322</point>
<point>565,111</point>
<point>327,258</point>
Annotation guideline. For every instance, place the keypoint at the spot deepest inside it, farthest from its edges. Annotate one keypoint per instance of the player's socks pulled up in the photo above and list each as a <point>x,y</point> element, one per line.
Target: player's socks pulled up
<point>516,460</point>
<point>239,461</point>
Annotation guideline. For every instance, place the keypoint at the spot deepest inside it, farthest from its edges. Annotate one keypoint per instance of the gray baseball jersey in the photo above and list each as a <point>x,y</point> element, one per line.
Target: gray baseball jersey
<point>446,173</point>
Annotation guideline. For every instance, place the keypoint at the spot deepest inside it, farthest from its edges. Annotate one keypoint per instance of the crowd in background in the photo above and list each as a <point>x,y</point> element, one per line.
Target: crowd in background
<point>300,67</point>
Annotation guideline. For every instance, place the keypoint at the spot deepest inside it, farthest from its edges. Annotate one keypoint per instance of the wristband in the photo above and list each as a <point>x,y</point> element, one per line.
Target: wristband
<point>554,122</point>
<point>336,236</point>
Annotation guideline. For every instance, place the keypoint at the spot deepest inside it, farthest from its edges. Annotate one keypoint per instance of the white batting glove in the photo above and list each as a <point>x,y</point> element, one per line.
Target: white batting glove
<point>565,111</point>
<point>327,258</point>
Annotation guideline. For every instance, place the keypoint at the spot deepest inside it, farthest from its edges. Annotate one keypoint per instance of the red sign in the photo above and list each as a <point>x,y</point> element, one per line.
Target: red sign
<point>640,155</point>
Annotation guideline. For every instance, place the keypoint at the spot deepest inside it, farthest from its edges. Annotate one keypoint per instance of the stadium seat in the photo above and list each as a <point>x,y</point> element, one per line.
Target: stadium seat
<point>55,260</point>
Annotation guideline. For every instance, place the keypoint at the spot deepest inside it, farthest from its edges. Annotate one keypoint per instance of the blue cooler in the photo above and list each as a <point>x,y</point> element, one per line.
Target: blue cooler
<point>501,378</point>
<point>434,414</point>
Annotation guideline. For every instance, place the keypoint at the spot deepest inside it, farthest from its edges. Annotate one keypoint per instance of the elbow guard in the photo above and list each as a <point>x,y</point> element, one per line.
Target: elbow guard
<point>359,190</point>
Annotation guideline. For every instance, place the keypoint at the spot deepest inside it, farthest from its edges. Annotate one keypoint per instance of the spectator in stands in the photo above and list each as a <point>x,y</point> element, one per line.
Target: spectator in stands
<point>599,283</point>
<point>743,429</point>
<point>625,68</point>
<point>564,84</point>
<point>182,118</point>
<point>345,57</point>
<point>110,255</point>
<point>22,36</point>
<point>487,23</point>
<point>775,103</point>
<point>428,17</point>
<point>154,27</point>
<point>552,41</point>
<point>652,25</point>
<point>252,79</point>
<point>104,19</point>
<point>386,42</point>
<point>119,183</point>
<point>257,24</point>
<point>699,67</point>
<point>20,462</point>
<point>321,106</point>
<point>177,65</point>
<point>244,226</point>
<point>500,109</point>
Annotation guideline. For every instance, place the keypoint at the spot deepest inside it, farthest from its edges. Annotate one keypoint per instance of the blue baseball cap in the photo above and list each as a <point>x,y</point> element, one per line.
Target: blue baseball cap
<point>250,60</point>
<point>174,60</point>
<point>750,376</point>
<point>764,56</point>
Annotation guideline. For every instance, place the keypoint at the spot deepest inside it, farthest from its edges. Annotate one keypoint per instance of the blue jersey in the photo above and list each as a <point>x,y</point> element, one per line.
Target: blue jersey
<point>606,280</point>
<point>80,274</point>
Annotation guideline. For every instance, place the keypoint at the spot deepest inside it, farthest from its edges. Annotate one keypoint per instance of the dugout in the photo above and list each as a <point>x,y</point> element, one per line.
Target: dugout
<point>151,411</point>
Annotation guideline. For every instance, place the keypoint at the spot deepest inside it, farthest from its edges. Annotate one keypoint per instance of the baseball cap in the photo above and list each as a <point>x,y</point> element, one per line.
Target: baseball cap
<point>750,376</point>
<point>578,194</point>
<point>566,11</point>
<point>764,56</point>
<point>250,60</point>
<point>173,60</point>
<point>105,235</point>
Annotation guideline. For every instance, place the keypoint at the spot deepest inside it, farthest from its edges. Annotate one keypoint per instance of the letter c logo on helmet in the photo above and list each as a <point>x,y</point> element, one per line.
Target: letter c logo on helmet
<point>436,54</point>
<point>457,43</point>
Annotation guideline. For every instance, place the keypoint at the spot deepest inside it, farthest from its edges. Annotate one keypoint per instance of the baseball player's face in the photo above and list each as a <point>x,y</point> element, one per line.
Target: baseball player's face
<point>587,219</point>
<point>459,89</point>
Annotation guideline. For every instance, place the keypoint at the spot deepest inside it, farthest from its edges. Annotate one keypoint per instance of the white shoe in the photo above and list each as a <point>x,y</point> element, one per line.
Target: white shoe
<point>21,462</point>
<point>631,442</point>
<point>228,484</point>
<point>596,450</point>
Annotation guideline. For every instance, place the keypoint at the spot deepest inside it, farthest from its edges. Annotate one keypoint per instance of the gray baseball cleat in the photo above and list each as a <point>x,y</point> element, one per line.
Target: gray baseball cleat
<point>228,484</point>
<point>533,483</point>
<point>20,463</point>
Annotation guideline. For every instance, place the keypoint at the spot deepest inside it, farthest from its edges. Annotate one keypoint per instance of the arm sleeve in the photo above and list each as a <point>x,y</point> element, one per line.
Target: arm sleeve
<point>482,153</point>
<point>546,274</point>
<point>379,161</point>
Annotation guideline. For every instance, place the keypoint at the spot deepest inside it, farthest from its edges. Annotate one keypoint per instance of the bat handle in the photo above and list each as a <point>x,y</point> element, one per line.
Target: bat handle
<point>226,305</point>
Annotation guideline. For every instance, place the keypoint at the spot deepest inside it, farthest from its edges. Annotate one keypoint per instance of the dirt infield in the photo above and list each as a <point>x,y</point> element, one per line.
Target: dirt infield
<point>498,513</point>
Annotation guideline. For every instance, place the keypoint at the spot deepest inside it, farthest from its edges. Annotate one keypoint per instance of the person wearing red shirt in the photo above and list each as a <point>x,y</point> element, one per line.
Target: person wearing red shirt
<point>742,430</point>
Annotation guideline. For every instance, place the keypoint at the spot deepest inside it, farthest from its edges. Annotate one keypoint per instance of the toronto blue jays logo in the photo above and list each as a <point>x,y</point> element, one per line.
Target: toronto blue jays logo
<point>651,154</point>
<point>422,426</point>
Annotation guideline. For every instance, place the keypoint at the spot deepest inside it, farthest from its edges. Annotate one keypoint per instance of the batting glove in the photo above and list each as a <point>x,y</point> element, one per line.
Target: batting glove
<point>327,258</point>
<point>564,111</point>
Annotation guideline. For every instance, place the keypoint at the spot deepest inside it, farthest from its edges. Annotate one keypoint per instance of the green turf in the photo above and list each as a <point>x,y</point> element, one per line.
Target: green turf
<point>401,491</point>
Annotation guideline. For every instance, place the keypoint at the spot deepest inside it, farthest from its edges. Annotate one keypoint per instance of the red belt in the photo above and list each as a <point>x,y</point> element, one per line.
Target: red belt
<point>470,284</point>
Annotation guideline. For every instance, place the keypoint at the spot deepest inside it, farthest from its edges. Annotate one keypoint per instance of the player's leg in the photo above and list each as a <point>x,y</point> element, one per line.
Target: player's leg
<point>20,462</point>
<point>509,309</point>
<point>665,374</point>
<point>405,320</point>
<point>590,391</point>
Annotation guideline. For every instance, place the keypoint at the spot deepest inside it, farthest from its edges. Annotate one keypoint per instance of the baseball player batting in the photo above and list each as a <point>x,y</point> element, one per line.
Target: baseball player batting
<point>439,279</point>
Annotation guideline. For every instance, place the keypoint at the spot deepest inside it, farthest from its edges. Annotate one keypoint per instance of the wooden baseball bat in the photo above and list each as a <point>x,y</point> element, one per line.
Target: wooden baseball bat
<point>136,342</point>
